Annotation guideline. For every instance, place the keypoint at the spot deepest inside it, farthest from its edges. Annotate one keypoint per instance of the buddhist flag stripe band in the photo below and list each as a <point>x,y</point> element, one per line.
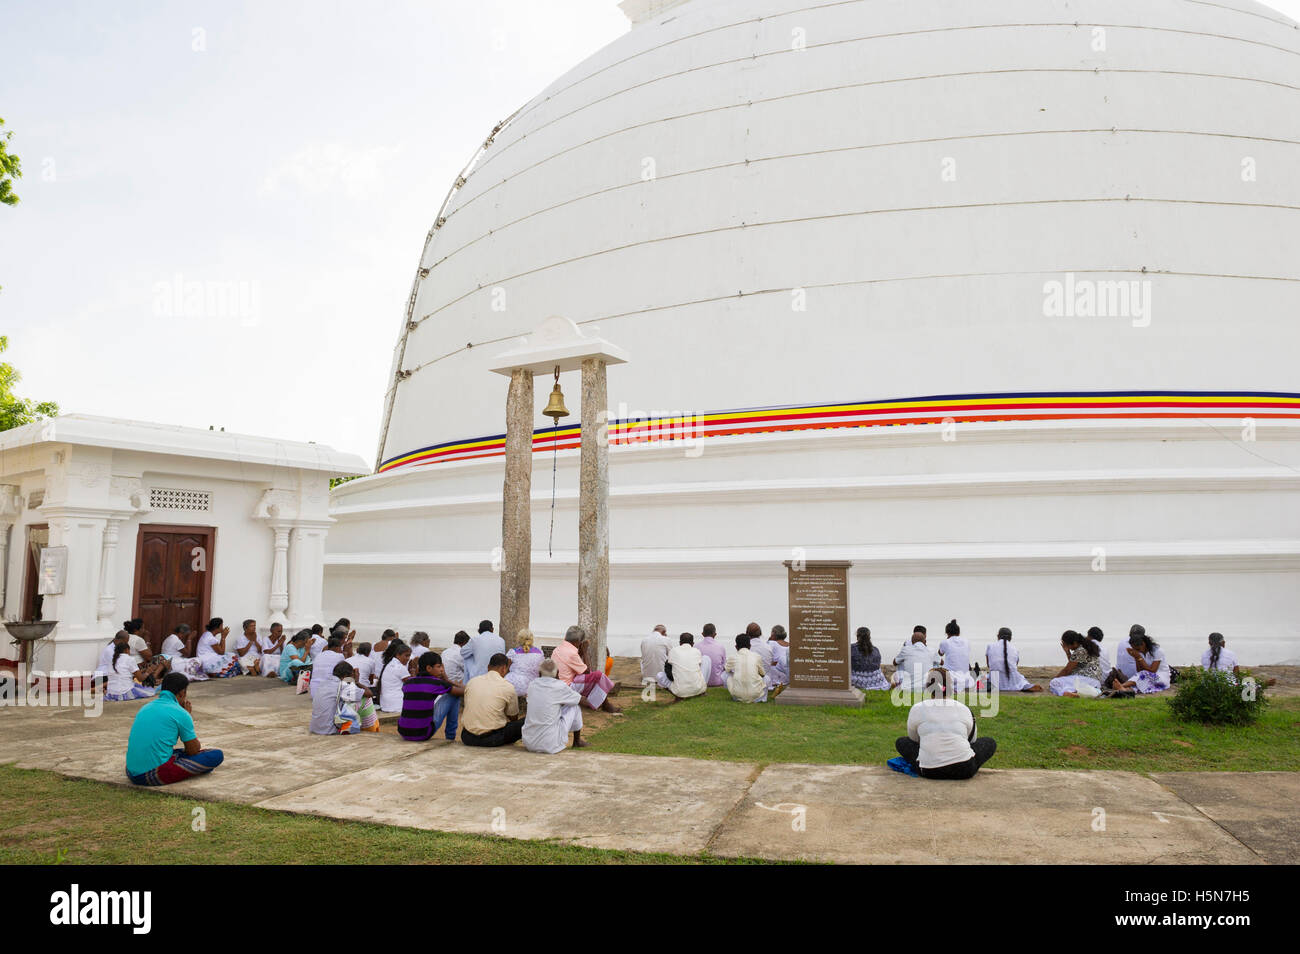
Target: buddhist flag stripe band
<point>956,408</point>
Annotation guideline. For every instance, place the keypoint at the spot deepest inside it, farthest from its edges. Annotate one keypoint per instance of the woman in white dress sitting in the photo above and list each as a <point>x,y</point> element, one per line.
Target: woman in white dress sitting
<point>1220,657</point>
<point>211,651</point>
<point>1082,674</point>
<point>394,670</point>
<point>1004,665</point>
<point>1142,664</point>
<point>249,650</point>
<point>124,676</point>
<point>173,650</point>
<point>954,656</point>
<point>525,661</point>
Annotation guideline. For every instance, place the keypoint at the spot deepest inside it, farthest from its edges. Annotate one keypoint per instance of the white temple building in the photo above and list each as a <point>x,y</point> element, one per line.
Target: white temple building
<point>999,301</point>
<point>168,524</point>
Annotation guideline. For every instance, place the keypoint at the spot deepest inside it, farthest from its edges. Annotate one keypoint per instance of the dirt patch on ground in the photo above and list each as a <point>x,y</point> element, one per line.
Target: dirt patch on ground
<point>1078,751</point>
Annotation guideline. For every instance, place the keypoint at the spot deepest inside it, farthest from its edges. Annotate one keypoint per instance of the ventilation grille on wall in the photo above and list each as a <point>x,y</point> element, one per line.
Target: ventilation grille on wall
<point>163,499</point>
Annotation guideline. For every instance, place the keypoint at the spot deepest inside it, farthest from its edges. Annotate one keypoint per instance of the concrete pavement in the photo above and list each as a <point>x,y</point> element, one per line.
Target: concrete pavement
<point>832,813</point>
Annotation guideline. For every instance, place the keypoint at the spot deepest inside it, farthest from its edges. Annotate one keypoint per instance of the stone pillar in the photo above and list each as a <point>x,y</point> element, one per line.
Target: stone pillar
<point>6,527</point>
<point>10,506</point>
<point>516,509</point>
<point>107,568</point>
<point>75,643</point>
<point>306,574</point>
<point>593,510</point>
<point>280,576</point>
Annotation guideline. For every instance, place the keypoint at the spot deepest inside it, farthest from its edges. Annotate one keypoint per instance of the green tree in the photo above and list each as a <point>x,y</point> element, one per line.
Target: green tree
<point>10,169</point>
<point>16,411</point>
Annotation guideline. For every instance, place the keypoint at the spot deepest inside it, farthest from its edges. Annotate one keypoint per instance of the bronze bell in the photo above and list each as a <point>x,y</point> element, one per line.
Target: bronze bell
<point>555,408</point>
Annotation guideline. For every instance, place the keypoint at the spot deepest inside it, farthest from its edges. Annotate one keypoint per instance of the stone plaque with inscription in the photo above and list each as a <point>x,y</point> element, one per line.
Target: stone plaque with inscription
<point>819,635</point>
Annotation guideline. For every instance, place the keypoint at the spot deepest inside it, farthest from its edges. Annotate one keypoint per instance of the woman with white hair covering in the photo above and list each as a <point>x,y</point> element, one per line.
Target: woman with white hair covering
<point>554,710</point>
<point>525,660</point>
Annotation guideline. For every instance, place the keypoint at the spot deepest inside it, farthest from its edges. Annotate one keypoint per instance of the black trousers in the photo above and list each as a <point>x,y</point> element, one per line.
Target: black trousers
<point>508,734</point>
<point>983,748</point>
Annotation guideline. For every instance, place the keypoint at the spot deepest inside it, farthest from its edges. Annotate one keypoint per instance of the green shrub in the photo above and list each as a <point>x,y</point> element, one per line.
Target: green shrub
<point>1214,697</point>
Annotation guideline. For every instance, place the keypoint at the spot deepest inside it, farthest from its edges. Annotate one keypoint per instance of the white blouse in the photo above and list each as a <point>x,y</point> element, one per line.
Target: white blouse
<point>390,688</point>
<point>1227,660</point>
<point>122,676</point>
<point>956,654</point>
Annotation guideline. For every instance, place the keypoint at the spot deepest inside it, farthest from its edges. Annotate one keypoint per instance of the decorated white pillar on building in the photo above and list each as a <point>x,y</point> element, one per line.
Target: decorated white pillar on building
<point>299,521</point>
<point>11,504</point>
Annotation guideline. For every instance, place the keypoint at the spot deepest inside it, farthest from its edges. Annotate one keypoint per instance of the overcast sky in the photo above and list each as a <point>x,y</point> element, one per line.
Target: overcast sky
<point>282,158</point>
<point>296,159</point>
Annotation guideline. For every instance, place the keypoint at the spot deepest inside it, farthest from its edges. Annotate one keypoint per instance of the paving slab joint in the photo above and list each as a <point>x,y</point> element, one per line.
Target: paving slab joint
<point>735,807</point>
<point>1213,821</point>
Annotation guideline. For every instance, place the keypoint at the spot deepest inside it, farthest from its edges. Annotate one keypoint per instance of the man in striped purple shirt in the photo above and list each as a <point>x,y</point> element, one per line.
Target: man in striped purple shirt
<point>429,699</point>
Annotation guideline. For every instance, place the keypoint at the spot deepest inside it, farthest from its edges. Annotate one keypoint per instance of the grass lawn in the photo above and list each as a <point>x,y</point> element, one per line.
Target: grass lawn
<point>1043,732</point>
<point>49,818</point>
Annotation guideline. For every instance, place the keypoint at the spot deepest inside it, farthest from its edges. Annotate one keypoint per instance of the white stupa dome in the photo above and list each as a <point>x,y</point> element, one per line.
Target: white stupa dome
<point>1068,229</point>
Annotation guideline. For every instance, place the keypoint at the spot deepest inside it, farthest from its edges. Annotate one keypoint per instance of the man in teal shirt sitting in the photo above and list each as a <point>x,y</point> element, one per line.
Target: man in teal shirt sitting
<point>151,756</point>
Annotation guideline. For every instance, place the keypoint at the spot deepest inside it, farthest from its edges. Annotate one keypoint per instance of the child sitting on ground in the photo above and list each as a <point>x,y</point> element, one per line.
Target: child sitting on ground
<point>347,710</point>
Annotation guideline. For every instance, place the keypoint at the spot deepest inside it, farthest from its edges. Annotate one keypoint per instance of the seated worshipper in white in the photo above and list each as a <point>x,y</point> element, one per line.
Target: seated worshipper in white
<point>913,661</point>
<point>125,679</point>
<point>1082,674</point>
<point>1004,665</point>
<point>394,669</point>
<point>940,741</point>
<point>104,666</point>
<point>954,657</point>
<point>248,650</point>
<point>746,674</point>
<point>1147,661</point>
<point>322,667</point>
<point>554,710</point>
<point>761,648</point>
<point>318,641</point>
<point>525,662</point>
<point>1219,657</point>
<point>1222,659</point>
<point>686,671</point>
<point>343,709</point>
<point>211,651</point>
<point>173,650</point>
<point>453,659</point>
<point>364,663</point>
<point>780,671</point>
<point>654,653</point>
<point>272,647</point>
<point>136,643</point>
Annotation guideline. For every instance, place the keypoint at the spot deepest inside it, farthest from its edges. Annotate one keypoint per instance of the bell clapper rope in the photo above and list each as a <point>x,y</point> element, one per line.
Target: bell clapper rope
<point>555,410</point>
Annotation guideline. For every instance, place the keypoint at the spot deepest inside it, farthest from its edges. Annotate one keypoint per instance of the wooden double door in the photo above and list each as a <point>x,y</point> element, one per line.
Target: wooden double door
<point>173,580</point>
